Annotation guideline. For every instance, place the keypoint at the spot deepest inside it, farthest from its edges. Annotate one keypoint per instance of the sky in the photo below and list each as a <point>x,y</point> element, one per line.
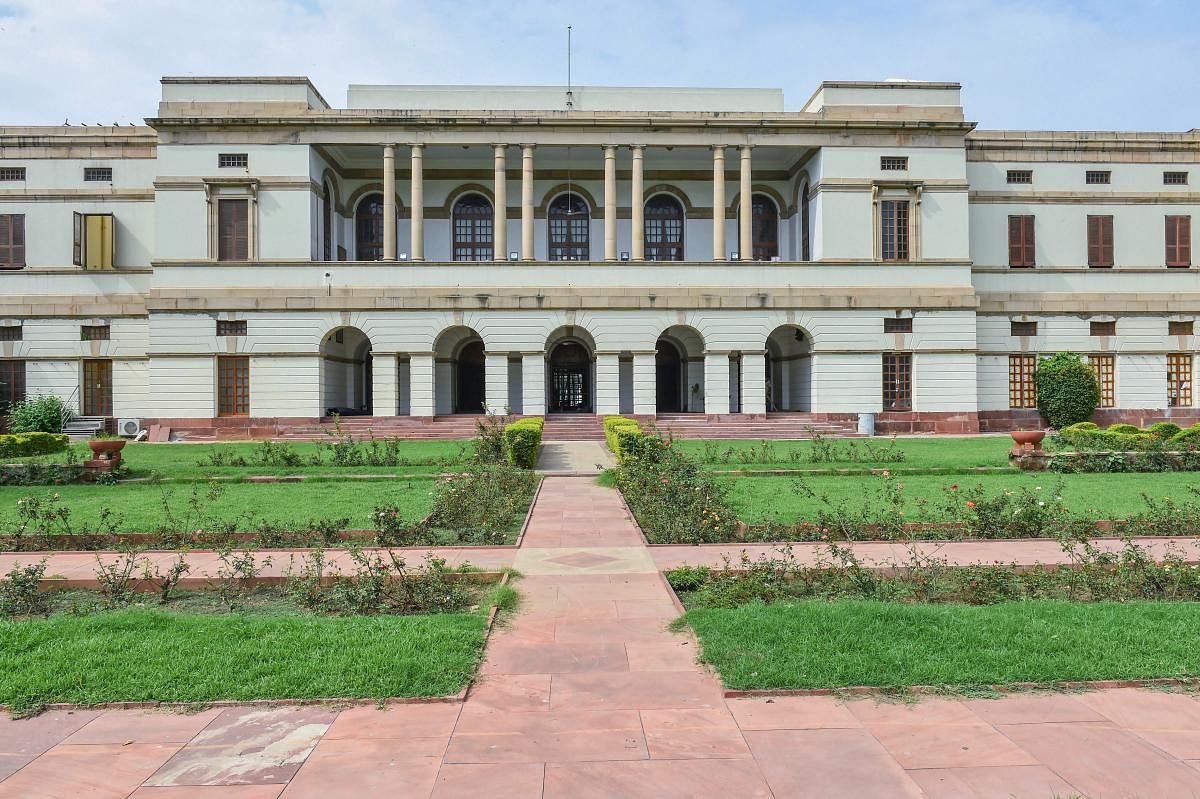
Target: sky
<point>1050,65</point>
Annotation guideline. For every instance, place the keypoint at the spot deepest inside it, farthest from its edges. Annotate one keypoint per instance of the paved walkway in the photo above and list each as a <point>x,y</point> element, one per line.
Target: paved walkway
<point>574,458</point>
<point>585,693</point>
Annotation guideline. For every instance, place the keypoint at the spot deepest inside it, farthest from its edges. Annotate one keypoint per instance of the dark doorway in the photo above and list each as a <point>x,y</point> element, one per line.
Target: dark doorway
<point>468,377</point>
<point>668,371</point>
<point>97,388</point>
<point>570,379</point>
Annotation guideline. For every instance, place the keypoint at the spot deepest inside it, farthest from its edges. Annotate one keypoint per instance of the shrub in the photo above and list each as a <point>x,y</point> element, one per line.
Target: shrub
<point>522,440</point>
<point>1080,427</point>
<point>21,445</point>
<point>37,415</point>
<point>618,430</point>
<point>1186,438</point>
<point>1121,427</point>
<point>19,594</point>
<point>1066,389</point>
<point>1164,430</point>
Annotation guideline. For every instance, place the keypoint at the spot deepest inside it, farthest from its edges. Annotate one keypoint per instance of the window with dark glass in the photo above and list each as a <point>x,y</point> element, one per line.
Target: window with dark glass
<point>12,383</point>
<point>897,381</point>
<point>100,173</point>
<point>1181,328</point>
<point>897,324</point>
<point>12,241</point>
<point>1175,178</point>
<point>1103,328</point>
<point>1020,242</point>
<point>890,163</point>
<point>1020,176</point>
<point>764,228</point>
<point>95,332</point>
<point>368,228</point>
<point>232,161</point>
<point>474,229</point>
<point>327,226</point>
<point>233,385</point>
<point>805,226</point>
<point>12,333</point>
<point>12,173</point>
<point>1097,177</point>
<point>664,229</point>
<point>231,327</point>
<point>1179,241</point>
<point>569,224</point>
<point>233,230</point>
<point>1022,328</point>
<point>894,229</point>
<point>1100,241</point>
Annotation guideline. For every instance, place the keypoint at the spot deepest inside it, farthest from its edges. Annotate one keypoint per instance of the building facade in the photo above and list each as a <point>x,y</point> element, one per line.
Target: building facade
<point>255,254</point>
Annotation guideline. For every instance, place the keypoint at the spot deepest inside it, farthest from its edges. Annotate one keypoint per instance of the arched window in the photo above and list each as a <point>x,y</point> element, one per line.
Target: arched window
<point>805,243</point>
<point>368,228</point>
<point>473,223</point>
<point>664,229</point>
<point>570,224</point>
<point>764,228</point>
<point>327,224</point>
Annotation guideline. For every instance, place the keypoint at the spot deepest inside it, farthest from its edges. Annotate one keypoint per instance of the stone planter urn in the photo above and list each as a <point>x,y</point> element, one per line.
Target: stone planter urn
<point>1027,441</point>
<point>107,450</point>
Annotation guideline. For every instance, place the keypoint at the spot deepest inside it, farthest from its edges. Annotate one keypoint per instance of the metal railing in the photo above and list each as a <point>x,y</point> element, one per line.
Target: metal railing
<point>67,413</point>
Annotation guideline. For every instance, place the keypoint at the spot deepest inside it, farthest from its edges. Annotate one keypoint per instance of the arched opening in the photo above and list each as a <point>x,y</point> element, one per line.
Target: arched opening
<point>805,226</point>
<point>679,370</point>
<point>570,371</point>
<point>327,224</point>
<point>472,227</point>
<point>346,373</point>
<point>789,369</point>
<point>569,226</point>
<point>458,383</point>
<point>764,228</point>
<point>368,228</point>
<point>663,228</point>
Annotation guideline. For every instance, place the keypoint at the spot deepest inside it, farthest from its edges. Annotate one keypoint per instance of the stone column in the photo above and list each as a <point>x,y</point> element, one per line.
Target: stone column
<point>745,209</point>
<point>495,381</point>
<point>420,383</point>
<point>637,207</point>
<point>610,202</point>
<point>389,202</point>
<point>526,202</point>
<point>754,381</point>
<point>418,203</point>
<point>385,399</point>
<point>644,384</point>
<point>500,196</point>
<point>533,383</point>
<point>718,203</point>
<point>716,383</point>
<point>608,384</point>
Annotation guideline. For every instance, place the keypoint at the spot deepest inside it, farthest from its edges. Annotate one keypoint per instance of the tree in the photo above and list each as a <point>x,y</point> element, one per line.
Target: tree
<point>1067,390</point>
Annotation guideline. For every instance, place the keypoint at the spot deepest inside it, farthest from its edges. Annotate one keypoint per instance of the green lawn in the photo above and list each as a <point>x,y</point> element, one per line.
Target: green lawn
<point>140,505</point>
<point>919,453</point>
<point>182,461</point>
<point>844,643</point>
<point>146,654</point>
<point>762,499</point>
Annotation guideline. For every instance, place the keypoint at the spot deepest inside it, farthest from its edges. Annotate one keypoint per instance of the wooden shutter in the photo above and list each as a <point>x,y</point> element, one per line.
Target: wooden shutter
<point>78,233</point>
<point>233,230</point>
<point>1100,241</point>
<point>1020,241</point>
<point>12,241</point>
<point>1179,241</point>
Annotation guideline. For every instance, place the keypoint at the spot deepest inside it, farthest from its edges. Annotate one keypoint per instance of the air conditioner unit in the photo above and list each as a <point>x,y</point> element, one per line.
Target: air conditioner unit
<point>129,427</point>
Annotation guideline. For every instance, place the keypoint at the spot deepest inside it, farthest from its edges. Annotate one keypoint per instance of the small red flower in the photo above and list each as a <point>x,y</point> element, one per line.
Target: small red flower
<point>954,487</point>
<point>970,504</point>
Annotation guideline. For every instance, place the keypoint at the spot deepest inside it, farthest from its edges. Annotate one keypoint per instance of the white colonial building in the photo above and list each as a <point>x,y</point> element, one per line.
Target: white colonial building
<point>255,257</point>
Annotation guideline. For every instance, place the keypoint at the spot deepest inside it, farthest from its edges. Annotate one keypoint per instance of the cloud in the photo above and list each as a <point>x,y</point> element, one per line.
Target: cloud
<point>1023,64</point>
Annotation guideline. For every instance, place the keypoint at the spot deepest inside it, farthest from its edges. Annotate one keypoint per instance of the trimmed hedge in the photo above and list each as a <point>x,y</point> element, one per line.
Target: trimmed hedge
<point>1165,430</point>
<point>21,445</point>
<point>1121,437</point>
<point>522,441</point>
<point>1067,391</point>
<point>618,431</point>
<point>1187,438</point>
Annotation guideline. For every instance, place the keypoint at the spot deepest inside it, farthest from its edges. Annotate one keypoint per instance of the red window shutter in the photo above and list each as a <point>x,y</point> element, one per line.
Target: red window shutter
<point>1179,241</point>
<point>1093,240</point>
<point>12,241</point>
<point>1100,240</point>
<point>1106,240</point>
<point>233,230</point>
<point>1027,226</point>
<point>1015,248</point>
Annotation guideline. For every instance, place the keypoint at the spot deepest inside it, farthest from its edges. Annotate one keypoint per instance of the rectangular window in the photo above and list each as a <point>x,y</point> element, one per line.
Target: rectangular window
<point>1020,176</point>
<point>1022,328</point>
<point>1183,328</point>
<point>1100,241</point>
<point>1179,380</point>
<point>233,230</point>
<point>893,163</point>
<point>1022,391</point>
<point>894,229</point>
<point>1175,178</point>
<point>12,241</point>
<point>1105,367</point>
<point>233,385</point>
<point>232,161</point>
<point>231,328</point>
<point>1103,328</point>
<point>897,381</point>
<point>12,173</point>
<point>93,240</point>
<point>100,173</point>
<point>1179,241</point>
<point>95,333</point>
<point>1020,241</point>
<point>897,324</point>
<point>12,332</point>
<point>12,384</point>
<point>1097,177</point>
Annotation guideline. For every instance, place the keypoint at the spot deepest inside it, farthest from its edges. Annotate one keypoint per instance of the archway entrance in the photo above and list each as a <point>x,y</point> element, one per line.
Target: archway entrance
<point>346,373</point>
<point>458,380</point>
<point>570,378</point>
<point>679,370</point>
<point>789,369</point>
<point>469,378</point>
<point>668,382</point>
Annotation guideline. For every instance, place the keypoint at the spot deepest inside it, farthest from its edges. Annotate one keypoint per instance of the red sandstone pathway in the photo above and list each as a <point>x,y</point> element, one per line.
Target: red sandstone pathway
<point>586,694</point>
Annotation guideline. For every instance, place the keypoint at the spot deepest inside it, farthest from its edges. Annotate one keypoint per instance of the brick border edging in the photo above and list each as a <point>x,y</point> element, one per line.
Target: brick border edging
<point>458,697</point>
<point>537,492</point>
<point>933,690</point>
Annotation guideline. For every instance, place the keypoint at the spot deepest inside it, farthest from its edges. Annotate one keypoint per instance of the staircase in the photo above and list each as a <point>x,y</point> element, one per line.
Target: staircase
<point>769,426</point>
<point>81,428</point>
<point>573,427</point>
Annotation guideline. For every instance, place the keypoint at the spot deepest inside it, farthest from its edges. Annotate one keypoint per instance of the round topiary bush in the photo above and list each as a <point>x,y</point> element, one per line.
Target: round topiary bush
<point>1066,389</point>
<point>1164,430</point>
<point>1127,429</point>
<point>1187,439</point>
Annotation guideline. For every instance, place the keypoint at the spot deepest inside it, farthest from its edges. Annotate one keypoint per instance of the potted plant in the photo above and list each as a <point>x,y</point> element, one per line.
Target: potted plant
<point>106,447</point>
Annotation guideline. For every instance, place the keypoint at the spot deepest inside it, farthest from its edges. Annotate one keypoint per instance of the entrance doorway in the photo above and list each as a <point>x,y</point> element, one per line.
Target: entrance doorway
<point>668,371</point>
<point>469,378</point>
<point>346,380</point>
<point>569,378</point>
<point>97,388</point>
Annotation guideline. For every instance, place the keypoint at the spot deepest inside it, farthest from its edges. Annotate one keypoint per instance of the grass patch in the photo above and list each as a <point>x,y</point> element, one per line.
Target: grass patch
<point>842,643</point>
<point>919,453</point>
